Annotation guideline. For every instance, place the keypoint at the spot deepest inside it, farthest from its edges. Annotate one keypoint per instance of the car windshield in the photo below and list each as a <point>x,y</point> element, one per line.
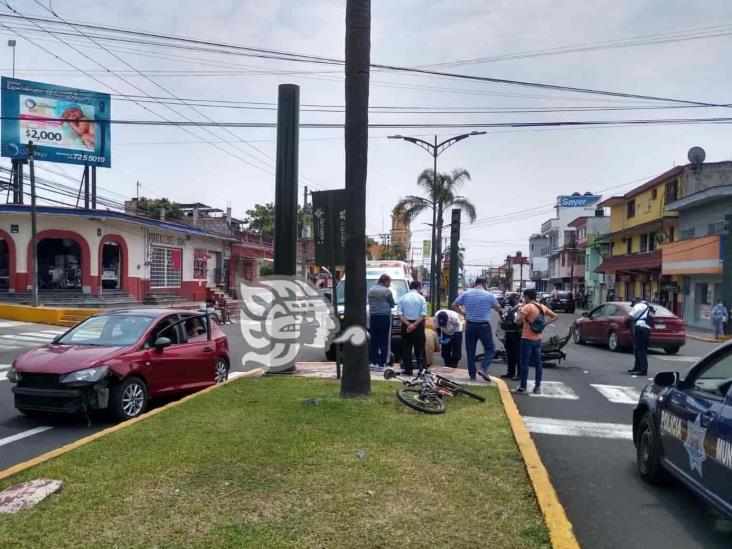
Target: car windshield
<point>398,288</point>
<point>108,330</point>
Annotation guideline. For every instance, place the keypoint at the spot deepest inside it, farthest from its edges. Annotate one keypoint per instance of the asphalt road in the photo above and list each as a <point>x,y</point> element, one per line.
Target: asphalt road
<point>581,425</point>
<point>582,429</point>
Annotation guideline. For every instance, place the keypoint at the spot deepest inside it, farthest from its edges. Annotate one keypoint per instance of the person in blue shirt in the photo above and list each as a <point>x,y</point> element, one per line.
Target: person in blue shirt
<point>380,302</point>
<point>476,305</point>
<point>412,310</point>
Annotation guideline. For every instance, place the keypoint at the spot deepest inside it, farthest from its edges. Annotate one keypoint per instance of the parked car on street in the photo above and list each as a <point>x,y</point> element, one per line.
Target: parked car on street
<point>561,300</point>
<point>119,360</point>
<point>683,428</point>
<point>544,297</point>
<point>609,324</point>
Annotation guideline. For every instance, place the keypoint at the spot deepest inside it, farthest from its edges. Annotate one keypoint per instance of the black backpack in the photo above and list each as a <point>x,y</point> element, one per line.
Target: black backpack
<point>649,316</point>
<point>508,320</point>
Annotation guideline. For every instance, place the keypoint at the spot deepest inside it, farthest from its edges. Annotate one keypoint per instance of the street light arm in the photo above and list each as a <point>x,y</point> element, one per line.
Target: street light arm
<point>429,147</point>
<point>447,143</point>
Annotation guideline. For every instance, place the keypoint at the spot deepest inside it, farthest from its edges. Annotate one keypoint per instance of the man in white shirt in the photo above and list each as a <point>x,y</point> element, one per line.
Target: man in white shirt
<point>641,336</point>
<point>450,326</point>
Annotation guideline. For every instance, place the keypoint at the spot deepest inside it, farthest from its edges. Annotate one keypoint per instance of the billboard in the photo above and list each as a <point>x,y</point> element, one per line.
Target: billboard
<point>329,215</point>
<point>61,122</point>
<point>578,201</point>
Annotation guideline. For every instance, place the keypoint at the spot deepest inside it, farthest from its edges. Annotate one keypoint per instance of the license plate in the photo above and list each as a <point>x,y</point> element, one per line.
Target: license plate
<point>660,326</point>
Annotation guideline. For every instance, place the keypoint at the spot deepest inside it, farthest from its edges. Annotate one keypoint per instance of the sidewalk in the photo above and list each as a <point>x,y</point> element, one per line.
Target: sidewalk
<point>327,370</point>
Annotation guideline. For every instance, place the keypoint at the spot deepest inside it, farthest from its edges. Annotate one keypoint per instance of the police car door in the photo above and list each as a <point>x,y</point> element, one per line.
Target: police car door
<point>691,419</point>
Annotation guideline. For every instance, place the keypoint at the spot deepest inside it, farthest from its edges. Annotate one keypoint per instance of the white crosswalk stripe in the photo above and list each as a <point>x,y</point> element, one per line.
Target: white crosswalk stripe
<point>3,371</point>
<point>554,389</point>
<point>11,323</point>
<point>22,435</point>
<point>618,393</point>
<point>571,428</point>
<point>678,358</point>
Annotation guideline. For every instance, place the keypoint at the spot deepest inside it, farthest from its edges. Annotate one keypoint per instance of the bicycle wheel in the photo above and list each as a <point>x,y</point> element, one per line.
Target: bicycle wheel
<point>450,384</point>
<point>471,394</point>
<point>427,403</point>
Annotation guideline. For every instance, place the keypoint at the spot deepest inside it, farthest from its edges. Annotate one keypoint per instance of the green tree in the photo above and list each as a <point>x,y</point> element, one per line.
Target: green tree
<point>396,251</point>
<point>153,206</point>
<point>261,219</point>
<point>441,195</point>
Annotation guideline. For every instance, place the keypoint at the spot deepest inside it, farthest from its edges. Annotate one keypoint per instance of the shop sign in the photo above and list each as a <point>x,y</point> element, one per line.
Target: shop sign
<point>14,228</point>
<point>705,312</point>
<point>160,239</point>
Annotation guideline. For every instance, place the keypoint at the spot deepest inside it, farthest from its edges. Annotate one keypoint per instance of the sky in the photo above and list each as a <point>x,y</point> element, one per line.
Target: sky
<point>512,170</point>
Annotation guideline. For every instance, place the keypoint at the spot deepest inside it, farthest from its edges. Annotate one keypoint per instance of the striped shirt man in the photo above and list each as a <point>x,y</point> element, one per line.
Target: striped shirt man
<point>477,303</point>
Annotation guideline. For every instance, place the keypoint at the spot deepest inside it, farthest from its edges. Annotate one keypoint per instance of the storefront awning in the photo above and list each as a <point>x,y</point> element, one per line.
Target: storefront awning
<point>631,262</point>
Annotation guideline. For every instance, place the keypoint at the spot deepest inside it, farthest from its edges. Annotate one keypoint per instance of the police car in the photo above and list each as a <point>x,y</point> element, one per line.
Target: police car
<point>683,428</point>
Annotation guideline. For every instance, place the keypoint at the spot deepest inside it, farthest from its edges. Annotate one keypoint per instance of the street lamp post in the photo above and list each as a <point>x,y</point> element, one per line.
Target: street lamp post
<point>435,149</point>
<point>11,44</point>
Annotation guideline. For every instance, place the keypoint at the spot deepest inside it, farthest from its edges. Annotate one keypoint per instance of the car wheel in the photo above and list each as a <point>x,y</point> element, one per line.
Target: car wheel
<point>129,398</point>
<point>613,342</point>
<point>222,370</point>
<point>577,336</point>
<point>571,310</point>
<point>671,350</point>
<point>648,452</point>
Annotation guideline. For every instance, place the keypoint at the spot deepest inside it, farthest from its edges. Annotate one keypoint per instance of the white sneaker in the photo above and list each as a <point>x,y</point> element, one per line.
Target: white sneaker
<point>374,367</point>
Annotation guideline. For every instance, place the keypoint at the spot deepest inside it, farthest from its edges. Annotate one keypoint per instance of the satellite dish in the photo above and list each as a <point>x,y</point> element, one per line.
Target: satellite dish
<point>696,156</point>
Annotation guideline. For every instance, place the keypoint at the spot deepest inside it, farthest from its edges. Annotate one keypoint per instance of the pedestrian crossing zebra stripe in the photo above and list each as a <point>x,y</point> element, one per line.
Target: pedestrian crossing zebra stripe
<point>3,371</point>
<point>11,323</point>
<point>554,389</point>
<point>572,428</point>
<point>618,394</point>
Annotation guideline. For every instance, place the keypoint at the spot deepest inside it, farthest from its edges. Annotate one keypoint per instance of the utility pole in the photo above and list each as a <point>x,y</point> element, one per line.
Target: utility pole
<point>727,271</point>
<point>288,127</point>
<point>34,226</point>
<point>454,256</point>
<point>356,379</point>
<point>306,236</point>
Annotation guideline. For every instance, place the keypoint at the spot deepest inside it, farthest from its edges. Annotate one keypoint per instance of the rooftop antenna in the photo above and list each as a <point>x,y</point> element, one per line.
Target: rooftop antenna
<point>696,156</point>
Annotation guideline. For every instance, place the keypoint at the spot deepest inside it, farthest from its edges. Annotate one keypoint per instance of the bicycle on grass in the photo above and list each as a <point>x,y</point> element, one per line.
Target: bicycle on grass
<point>427,391</point>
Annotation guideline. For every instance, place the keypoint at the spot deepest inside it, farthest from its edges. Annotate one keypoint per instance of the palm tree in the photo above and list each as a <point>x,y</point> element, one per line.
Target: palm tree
<point>442,195</point>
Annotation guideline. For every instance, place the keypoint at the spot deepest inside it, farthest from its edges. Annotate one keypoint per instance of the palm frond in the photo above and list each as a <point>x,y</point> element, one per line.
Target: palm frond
<point>466,206</point>
<point>412,206</point>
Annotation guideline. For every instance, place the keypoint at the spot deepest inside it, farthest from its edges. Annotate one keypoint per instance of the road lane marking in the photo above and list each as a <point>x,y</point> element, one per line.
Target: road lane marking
<point>571,428</point>
<point>553,389</point>
<point>54,332</point>
<point>679,358</point>
<point>39,335</point>
<point>3,373</point>
<point>11,323</point>
<point>24,434</point>
<point>25,339</point>
<point>618,393</point>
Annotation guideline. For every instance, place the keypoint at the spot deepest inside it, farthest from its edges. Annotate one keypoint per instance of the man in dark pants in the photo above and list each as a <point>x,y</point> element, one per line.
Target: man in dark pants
<point>640,315</point>
<point>380,301</point>
<point>476,305</point>
<point>412,310</point>
<point>513,338</point>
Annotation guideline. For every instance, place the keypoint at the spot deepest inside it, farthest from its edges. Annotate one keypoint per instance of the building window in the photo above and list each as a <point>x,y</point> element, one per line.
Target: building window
<point>671,234</point>
<point>165,267</point>
<point>687,233</point>
<point>644,242</point>
<point>654,194</point>
<point>672,191</point>
<point>629,246</point>
<point>716,228</point>
<point>651,241</point>
<point>631,208</point>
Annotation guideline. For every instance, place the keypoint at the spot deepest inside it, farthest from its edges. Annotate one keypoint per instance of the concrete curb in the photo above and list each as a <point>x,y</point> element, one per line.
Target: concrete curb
<point>20,467</point>
<point>708,339</point>
<point>45,315</point>
<point>560,528</point>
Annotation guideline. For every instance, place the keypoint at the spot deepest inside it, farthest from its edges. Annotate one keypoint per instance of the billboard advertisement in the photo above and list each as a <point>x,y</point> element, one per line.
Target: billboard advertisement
<point>63,123</point>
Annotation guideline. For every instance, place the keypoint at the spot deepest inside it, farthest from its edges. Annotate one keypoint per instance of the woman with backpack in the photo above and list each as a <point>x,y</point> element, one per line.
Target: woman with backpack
<point>512,338</point>
<point>533,318</point>
<point>719,319</point>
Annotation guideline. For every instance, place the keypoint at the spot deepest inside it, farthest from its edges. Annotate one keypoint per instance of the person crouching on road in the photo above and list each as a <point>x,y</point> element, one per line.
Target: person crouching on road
<point>512,338</point>
<point>381,302</point>
<point>476,305</point>
<point>451,336</point>
<point>533,318</point>
<point>412,310</point>
<point>640,320</point>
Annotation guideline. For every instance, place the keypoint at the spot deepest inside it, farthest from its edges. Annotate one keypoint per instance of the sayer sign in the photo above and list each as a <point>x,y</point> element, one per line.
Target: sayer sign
<point>329,220</point>
<point>582,201</point>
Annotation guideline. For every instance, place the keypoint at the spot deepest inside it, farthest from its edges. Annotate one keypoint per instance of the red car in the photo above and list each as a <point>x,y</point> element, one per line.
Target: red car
<point>119,360</point>
<point>610,324</point>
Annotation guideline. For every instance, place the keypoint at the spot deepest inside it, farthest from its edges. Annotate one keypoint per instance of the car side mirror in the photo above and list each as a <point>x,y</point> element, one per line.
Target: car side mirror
<point>666,379</point>
<point>586,314</point>
<point>161,343</point>
<point>56,339</point>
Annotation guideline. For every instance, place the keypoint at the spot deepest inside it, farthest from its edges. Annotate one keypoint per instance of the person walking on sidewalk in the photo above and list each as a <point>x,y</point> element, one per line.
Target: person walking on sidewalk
<point>450,327</point>
<point>476,305</point>
<point>381,303</point>
<point>719,319</point>
<point>512,340</point>
<point>533,317</point>
<point>641,319</point>
<point>412,310</point>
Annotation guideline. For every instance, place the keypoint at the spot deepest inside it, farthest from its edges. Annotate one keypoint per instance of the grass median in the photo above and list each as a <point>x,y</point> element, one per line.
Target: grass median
<point>252,464</point>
